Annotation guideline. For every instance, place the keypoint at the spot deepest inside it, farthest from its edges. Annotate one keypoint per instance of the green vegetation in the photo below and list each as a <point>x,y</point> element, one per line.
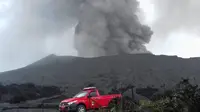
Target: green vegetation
<point>184,97</point>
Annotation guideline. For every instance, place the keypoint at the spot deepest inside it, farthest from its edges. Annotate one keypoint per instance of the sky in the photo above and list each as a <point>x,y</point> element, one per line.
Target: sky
<point>183,42</point>
<point>17,52</point>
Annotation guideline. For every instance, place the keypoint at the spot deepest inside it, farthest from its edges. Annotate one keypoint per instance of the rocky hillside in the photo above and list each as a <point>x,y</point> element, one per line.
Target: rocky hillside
<point>141,70</point>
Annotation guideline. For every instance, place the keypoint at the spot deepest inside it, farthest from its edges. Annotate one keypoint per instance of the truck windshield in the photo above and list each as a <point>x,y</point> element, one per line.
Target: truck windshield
<point>81,94</point>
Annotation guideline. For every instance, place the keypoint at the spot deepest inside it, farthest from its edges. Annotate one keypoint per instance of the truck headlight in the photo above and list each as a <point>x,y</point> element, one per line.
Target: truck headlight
<point>72,102</point>
<point>63,104</point>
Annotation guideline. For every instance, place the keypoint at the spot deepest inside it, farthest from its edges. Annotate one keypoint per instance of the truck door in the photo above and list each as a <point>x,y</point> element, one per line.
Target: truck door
<point>94,100</point>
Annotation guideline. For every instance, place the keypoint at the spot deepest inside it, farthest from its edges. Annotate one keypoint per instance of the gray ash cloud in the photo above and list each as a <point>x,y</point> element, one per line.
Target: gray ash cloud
<point>102,27</point>
<point>110,27</point>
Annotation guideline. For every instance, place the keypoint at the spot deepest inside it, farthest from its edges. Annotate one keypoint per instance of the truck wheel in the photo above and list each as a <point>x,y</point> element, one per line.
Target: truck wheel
<point>81,108</point>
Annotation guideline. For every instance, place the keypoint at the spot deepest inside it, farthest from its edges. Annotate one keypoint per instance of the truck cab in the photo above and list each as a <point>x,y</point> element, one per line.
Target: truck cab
<point>88,99</point>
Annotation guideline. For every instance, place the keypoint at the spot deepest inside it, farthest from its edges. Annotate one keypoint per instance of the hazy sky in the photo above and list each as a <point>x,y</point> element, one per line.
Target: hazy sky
<point>20,51</point>
<point>179,24</point>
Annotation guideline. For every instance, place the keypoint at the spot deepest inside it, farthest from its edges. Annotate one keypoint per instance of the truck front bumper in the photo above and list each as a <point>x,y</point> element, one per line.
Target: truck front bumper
<point>69,108</point>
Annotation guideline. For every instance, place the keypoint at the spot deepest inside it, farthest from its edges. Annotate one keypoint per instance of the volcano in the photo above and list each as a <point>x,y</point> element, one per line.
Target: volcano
<point>140,70</point>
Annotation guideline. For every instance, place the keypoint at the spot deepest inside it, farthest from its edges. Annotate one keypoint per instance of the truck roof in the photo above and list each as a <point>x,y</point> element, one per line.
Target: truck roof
<point>89,88</point>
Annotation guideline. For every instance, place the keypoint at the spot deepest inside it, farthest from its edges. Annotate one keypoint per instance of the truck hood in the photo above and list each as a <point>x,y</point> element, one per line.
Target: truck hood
<point>70,100</point>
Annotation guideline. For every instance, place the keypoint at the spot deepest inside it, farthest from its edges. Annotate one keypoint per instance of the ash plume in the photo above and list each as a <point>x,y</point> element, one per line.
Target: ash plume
<point>110,27</point>
<point>33,29</point>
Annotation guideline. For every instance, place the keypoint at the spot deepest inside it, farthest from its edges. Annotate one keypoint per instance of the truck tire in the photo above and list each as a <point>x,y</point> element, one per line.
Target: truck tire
<point>81,108</point>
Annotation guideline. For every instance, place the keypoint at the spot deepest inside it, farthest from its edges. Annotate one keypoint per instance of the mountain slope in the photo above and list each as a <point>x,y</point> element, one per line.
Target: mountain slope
<point>104,72</point>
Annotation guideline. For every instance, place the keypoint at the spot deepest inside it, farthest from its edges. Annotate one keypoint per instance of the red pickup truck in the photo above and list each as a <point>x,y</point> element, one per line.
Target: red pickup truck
<point>88,99</point>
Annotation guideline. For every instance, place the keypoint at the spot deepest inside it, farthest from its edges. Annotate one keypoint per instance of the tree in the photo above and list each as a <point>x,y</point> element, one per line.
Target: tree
<point>185,97</point>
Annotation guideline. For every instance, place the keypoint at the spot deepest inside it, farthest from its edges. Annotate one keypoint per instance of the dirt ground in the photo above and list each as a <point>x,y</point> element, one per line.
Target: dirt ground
<point>30,110</point>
